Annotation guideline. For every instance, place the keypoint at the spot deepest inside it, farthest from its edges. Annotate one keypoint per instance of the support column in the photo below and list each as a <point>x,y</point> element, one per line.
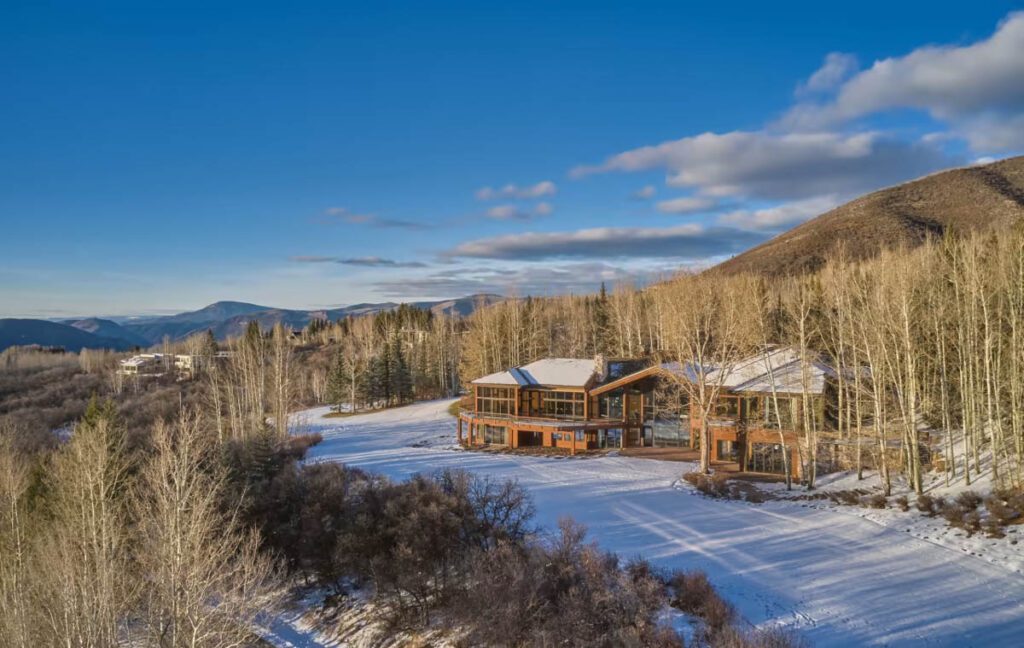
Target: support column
<point>459,433</point>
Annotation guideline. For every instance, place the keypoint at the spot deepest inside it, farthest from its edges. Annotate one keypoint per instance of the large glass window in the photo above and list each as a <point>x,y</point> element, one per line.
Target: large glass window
<point>562,404</point>
<point>728,451</point>
<point>610,406</point>
<point>786,413</point>
<point>495,435</point>
<point>766,458</point>
<point>727,407</point>
<point>495,400</point>
<point>671,432</point>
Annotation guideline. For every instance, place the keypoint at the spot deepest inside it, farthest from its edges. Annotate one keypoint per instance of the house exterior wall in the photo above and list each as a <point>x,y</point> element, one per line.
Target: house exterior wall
<point>750,434</point>
<point>553,417</point>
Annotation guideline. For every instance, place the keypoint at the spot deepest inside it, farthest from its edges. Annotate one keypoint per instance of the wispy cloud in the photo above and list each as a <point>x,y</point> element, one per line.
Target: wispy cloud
<point>546,279</point>
<point>514,212</point>
<point>685,205</point>
<point>369,261</point>
<point>689,241</point>
<point>343,215</point>
<point>644,193</point>
<point>514,191</point>
<point>838,67</point>
<point>782,216</point>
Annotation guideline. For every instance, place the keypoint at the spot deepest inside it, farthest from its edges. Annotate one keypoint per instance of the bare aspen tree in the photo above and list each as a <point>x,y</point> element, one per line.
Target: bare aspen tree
<point>281,378</point>
<point>767,332</point>
<point>702,330</point>
<point>16,609</point>
<point>83,559</point>
<point>206,579</point>
<point>800,301</point>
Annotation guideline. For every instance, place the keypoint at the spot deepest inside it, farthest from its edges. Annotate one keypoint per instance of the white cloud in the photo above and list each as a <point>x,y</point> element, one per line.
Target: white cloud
<point>837,68</point>
<point>780,166</point>
<point>520,280</point>
<point>781,216</point>
<point>644,193</point>
<point>685,205</point>
<point>513,212</point>
<point>539,190</point>
<point>978,89</point>
<point>689,241</point>
<point>506,212</point>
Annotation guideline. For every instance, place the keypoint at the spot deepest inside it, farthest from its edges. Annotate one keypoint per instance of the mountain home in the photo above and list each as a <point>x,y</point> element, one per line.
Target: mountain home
<point>584,404</point>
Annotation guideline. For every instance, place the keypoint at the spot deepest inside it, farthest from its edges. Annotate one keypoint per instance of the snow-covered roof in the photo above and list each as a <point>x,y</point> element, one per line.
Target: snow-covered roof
<point>140,360</point>
<point>551,372</point>
<point>781,365</point>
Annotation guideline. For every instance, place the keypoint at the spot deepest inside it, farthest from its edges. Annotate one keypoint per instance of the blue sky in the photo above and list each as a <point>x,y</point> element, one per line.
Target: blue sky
<point>158,158</point>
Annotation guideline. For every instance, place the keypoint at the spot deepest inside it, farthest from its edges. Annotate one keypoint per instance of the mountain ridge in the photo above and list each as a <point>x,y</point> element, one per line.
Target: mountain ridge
<point>23,332</point>
<point>958,201</point>
<point>184,324</point>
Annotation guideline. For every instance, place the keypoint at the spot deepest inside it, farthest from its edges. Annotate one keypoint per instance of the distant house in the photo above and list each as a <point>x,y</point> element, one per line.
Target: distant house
<point>585,404</point>
<point>143,364</point>
<point>156,364</point>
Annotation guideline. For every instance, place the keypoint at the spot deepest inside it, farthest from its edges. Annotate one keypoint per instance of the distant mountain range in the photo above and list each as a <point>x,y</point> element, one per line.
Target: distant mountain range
<point>22,332</point>
<point>957,201</point>
<point>225,319</point>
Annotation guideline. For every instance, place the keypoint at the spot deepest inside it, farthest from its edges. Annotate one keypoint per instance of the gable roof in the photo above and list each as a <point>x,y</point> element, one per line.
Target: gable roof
<point>748,375</point>
<point>752,374</point>
<point>549,372</point>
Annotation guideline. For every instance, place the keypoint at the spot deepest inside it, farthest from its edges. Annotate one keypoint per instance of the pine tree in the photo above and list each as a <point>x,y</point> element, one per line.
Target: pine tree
<point>401,379</point>
<point>601,322</point>
<point>210,346</point>
<point>338,383</point>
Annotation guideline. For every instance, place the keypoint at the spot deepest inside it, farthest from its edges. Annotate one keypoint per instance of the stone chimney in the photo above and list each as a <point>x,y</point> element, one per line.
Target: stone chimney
<point>600,367</point>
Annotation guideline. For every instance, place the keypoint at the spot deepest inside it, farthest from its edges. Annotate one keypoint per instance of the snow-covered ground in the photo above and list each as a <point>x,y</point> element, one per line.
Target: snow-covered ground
<point>839,576</point>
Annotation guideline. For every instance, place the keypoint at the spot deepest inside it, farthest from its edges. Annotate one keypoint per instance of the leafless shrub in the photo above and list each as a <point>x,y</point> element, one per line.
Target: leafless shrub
<point>692,593</point>
<point>565,592</point>
<point>992,528</point>
<point>903,503</point>
<point>930,506</point>
<point>1001,507</point>
<point>969,500</point>
<point>849,498</point>
<point>876,501</point>
<point>714,485</point>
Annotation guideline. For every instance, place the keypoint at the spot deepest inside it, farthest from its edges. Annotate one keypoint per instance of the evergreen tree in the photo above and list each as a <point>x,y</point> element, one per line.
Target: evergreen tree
<point>253,335</point>
<point>601,322</point>
<point>401,378</point>
<point>339,383</point>
<point>97,411</point>
<point>210,346</point>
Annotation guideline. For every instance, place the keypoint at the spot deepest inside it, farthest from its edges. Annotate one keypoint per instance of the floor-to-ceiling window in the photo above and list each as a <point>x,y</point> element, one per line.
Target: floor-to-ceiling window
<point>495,400</point>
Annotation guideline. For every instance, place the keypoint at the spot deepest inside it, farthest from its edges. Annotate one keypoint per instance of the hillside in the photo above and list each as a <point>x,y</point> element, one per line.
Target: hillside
<point>21,332</point>
<point>959,200</point>
<point>228,319</point>
<point>108,329</point>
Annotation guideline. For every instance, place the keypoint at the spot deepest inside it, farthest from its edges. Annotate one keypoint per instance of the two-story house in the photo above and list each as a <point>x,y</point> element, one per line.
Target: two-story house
<point>584,404</point>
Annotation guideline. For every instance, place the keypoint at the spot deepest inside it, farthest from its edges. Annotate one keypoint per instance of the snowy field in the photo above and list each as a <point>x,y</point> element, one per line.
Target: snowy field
<point>839,576</point>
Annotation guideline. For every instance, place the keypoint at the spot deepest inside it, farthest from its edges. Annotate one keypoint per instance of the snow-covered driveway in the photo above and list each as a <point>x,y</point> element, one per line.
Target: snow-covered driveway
<point>841,579</point>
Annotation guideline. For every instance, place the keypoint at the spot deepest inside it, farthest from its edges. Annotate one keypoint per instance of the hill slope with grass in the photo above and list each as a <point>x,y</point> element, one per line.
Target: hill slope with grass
<point>974,198</point>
